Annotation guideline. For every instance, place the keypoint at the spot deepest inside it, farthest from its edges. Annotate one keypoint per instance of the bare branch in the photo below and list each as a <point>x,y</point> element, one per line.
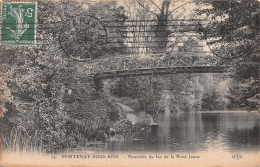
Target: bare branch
<point>179,7</point>
<point>155,4</point>
<point>145,7</point>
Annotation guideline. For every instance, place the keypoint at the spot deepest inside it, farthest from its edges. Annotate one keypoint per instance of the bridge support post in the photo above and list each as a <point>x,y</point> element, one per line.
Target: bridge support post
<point>98,83</point>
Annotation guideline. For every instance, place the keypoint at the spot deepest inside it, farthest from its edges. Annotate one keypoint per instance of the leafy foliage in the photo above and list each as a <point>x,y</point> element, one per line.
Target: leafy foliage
<point>235,28</point>
<point>43,93</point>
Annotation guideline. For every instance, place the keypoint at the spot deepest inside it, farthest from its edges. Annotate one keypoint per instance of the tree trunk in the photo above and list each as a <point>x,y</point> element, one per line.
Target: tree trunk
<point>161,28</point>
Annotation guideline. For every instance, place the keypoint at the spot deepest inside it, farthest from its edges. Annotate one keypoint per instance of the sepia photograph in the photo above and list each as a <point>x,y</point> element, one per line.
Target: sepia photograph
<point>138,83</point>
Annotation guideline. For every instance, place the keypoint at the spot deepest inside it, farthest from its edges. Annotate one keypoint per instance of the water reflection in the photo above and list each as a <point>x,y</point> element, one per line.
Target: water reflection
<point>203,131</point>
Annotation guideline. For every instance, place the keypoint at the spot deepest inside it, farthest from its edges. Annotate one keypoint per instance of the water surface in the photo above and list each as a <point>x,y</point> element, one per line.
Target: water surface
<point>202,131</point>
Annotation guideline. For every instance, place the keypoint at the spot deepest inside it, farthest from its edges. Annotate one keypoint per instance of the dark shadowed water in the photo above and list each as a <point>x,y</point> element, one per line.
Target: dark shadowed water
<point>201,131</point>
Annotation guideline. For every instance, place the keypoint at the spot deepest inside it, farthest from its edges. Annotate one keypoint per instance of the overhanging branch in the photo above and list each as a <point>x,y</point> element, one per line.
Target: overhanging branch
<point>179,7</point>
<point>145,7</point>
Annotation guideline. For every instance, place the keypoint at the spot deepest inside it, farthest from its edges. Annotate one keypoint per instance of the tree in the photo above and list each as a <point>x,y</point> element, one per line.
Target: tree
<point>162,13</point>
<point>233,35</point>
<point>209,101</point>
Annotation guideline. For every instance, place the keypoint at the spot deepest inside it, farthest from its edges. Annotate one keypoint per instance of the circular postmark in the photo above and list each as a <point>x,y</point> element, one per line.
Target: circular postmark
<point>83,38</point>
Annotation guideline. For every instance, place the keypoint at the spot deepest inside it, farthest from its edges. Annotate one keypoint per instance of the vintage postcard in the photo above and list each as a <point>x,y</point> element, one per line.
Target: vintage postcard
<point>142,83</point>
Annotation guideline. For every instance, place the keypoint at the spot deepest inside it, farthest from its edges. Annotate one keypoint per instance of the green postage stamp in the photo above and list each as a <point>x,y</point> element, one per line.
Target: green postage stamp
<point>18,23</point>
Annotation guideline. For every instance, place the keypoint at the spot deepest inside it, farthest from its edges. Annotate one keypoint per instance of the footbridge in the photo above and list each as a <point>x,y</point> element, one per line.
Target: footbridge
<point>160,71</point>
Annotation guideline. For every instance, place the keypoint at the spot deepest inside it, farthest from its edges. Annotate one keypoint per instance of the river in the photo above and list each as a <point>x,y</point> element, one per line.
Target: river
<point>201,131</point>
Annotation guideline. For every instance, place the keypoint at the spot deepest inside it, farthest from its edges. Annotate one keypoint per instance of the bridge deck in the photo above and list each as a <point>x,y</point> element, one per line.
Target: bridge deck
<point>160,71</point>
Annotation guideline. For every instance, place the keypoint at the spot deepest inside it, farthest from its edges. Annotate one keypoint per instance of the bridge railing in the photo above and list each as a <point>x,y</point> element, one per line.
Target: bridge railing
<point>148,63</point>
